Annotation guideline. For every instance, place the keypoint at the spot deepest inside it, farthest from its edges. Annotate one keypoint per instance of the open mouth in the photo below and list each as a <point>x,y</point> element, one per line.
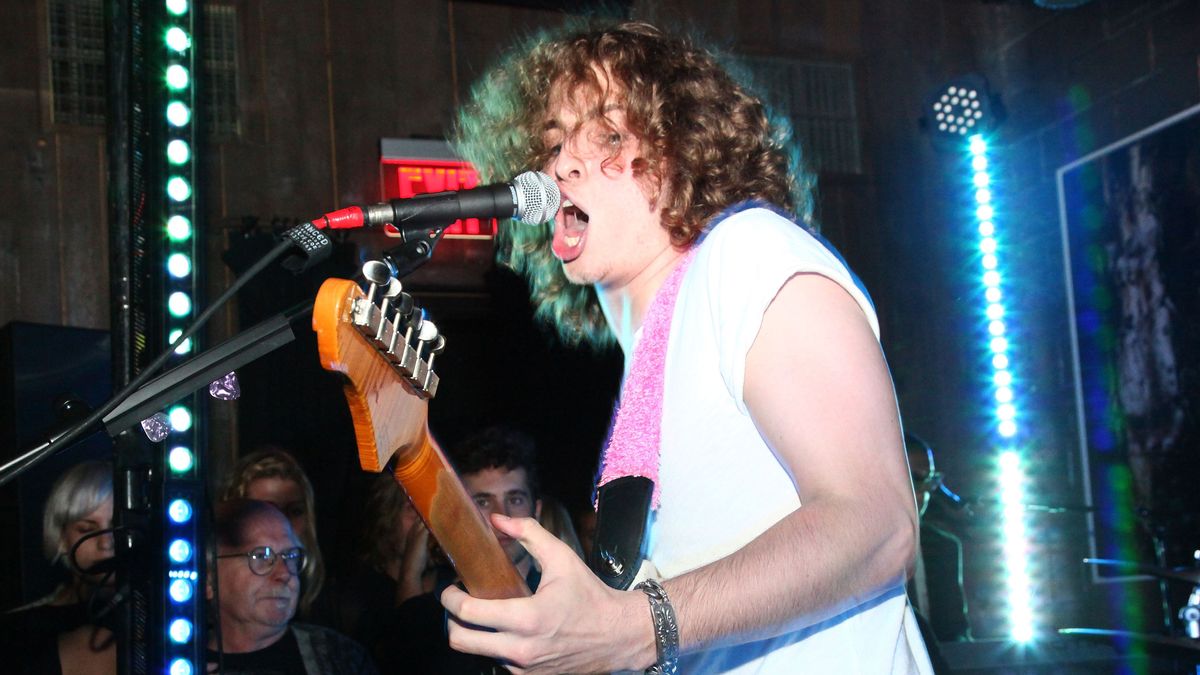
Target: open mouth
<point>570,232</point>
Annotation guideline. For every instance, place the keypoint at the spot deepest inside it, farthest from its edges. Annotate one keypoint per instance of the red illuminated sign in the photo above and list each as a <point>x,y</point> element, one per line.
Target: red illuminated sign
<point>404,178</point>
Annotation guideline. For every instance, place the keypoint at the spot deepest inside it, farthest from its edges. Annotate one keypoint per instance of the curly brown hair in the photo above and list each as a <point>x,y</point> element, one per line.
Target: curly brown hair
<point>703,134</point>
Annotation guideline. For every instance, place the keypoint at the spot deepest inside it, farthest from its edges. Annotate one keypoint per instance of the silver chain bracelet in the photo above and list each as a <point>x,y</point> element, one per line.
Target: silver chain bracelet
<point>666,629</point>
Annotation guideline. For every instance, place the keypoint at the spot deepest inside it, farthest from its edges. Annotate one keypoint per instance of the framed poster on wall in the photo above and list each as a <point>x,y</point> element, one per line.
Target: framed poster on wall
<point>1130,221</point>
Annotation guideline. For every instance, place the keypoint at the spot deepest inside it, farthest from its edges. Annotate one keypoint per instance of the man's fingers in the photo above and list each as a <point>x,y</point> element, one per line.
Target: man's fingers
<point>500,615</point>
<point>535,538</point>
<point>473,640</point>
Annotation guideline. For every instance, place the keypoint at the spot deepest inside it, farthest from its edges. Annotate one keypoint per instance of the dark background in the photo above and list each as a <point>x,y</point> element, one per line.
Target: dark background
<point>318,85</point>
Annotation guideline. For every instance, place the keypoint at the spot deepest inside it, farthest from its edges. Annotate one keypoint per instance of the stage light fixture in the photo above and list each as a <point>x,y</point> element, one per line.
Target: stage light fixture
<point>179,228</point>
<point>179,304</point>
<point>181,418</point>
<point>179,265</point>
<point>180,511</point>
<point>995,320</point>
<point>184,347</point>
<point>177,77</point>
<point>178,113</point>
<point>959,109</point>
<point>180,590</point>
<point>180,631</point>
<point>178,40</point>
<point>179,551</point>
<point>178,152</point>
<point>179,189</point>
<point>180,459</point>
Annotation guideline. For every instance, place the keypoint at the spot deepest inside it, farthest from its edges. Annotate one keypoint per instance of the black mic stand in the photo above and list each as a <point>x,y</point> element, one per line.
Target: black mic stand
<point>142,499</point>
<point>164,586</point>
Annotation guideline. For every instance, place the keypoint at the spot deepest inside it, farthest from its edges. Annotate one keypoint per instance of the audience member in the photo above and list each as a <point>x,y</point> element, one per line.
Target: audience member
<point>498,467</point>
<point>69,630</point>
<point>256,587</point>
<point>272,475</point>
<point>390,563</point>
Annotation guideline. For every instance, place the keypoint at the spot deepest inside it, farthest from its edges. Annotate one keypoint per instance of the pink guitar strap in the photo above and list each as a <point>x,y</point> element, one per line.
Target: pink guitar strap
<point>627,490</point>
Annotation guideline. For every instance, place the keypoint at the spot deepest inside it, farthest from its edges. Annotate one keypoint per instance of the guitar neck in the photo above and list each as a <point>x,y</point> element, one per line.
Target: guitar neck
<point>388,384</point>
<point>454,520</point>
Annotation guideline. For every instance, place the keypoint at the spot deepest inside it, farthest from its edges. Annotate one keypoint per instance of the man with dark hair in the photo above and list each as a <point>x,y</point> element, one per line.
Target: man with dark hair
<point>498,467</point>
<point>754,384</point>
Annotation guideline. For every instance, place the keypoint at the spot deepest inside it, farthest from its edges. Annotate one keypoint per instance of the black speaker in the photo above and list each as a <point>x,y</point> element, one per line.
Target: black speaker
<point>49,375</point>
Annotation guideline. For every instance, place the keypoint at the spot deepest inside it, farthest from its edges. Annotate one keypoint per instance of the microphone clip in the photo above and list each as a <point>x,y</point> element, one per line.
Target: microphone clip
<point>412,254</point>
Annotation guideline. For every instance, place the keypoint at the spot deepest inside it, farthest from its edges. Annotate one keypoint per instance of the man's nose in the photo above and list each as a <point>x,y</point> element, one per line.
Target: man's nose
<point>567,164</point>
<point>281,571</point>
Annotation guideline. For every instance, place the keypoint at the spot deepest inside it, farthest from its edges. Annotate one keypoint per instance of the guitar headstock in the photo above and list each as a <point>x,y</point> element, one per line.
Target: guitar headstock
<point>380,340</point>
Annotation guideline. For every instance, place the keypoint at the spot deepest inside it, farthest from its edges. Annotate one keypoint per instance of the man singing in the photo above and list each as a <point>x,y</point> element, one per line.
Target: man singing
<point>756,395</point>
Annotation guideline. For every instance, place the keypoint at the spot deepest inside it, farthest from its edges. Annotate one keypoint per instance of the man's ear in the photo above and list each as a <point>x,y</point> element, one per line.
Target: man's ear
<point>537,510</point>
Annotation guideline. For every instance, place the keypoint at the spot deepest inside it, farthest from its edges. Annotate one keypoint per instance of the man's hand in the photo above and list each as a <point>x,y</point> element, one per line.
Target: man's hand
<point>573,624</point>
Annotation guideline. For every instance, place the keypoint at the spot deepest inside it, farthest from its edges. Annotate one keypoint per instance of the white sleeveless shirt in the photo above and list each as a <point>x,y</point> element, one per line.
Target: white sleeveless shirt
<point>721,484</point>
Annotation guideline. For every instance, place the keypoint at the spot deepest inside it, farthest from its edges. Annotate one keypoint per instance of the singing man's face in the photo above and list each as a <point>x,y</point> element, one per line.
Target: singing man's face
<point>609,229</point>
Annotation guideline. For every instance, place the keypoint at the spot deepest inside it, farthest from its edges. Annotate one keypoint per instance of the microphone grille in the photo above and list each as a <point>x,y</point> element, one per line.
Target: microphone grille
<point>538,198</point>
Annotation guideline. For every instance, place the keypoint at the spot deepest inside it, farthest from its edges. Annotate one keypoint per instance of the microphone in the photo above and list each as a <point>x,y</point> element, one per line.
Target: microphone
<point>531,197</point>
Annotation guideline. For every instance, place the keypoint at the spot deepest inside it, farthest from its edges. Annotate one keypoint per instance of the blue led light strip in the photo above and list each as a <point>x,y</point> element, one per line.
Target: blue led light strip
<point>1005,420</point>
<point>182,608</point>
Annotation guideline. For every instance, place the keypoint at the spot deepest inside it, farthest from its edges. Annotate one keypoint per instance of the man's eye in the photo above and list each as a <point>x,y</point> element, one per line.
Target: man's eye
<point>516,501</point>
<point>481,502</point>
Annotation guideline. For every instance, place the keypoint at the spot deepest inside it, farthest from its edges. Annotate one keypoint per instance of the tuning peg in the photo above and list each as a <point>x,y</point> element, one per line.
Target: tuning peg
<point>426,336</point>
<point>404,308</point>
<point>377,273</point>
<point>431,379</point>
<point>391,290</point>
<point>415,323</point>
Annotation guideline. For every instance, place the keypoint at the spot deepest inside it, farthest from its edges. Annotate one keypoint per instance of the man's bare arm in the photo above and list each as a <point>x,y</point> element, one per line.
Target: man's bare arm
<point>819,391</point>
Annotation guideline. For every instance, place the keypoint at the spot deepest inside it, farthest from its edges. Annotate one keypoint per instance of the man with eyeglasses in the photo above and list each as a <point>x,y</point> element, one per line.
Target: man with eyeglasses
<point>255,587</point>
